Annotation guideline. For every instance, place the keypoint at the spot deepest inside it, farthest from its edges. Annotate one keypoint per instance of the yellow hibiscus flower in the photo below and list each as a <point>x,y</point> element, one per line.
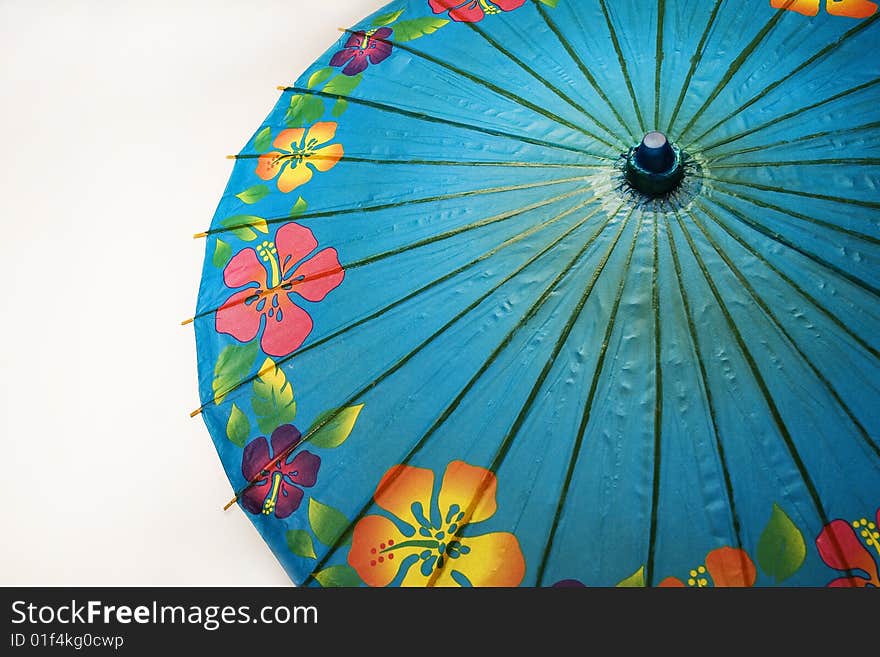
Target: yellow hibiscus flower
<point>298,151</point>
<point>444,556</point>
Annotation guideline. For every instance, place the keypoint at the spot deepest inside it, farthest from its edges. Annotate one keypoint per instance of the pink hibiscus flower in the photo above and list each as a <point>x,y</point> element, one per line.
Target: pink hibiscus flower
<point>840,548</point>
<point>473,11</point>
<point>277,486</point>
<point>272,274</point>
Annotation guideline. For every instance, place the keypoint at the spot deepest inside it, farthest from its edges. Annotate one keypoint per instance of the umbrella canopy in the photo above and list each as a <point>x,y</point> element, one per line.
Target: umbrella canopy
<point>537,292</point>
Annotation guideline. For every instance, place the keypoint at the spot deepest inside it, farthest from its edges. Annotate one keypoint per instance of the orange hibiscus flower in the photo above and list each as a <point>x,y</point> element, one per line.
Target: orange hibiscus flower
<point>432,552</point>
<point>726,567</point>
<point>298,151</point>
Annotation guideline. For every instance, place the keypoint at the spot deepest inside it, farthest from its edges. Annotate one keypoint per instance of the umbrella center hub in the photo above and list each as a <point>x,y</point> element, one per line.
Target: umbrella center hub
<point>654,167</point>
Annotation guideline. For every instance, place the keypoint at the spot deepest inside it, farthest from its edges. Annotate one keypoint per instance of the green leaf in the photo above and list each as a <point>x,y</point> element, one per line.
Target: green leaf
<point>222,254</point>
<point>343,85</point>
<point>263,140</point>
<point>318,77</point>
<point>387,19</point>
<point>781,548</point>
<point>304,110</point>
<point>253,194</point>
<point>338,576</point>
<point>549,3</point>
<point>233,365</point>
<point>238,428</point>
<point>417,28</point>
<point>337,430</point>
<point>328,524</point>
<point>299,541</point>
<point>299,207</point>
<point>636,580</point>
<point>273,398</point>
<point>339,108</point>
<point>245,226</point>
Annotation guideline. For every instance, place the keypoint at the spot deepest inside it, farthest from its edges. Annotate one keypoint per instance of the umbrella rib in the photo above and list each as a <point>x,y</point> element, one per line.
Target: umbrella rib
<point>658,407</point>
<point>790,115</point>
<point>788,337</point>
<point>856,161</point>
<point>491,86</point>
<point>785,277</point>
<point>788,142</point>
<point>658,59</point>
<point>734,68</point>
<point>798,215</point>
<point>566,44</point>
<point>874,205</point>
<point>532,311</point>
<point>623,67</point>
<point>695,61</point>
<point>357,159</point>
<point>805,64</point>
<point>528,69</point>
<point>408,247</point>
<point>510,437</point>
<point>785,434</point>
<point>403,360</point>
<point>399,204</point>
<point>430,118</point>
<point>780,239</point>
<point>704,379</point>
<point>582,427</point>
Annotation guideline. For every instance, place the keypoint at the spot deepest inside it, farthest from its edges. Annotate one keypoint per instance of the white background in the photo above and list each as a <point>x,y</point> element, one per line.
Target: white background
<point>115,118</point>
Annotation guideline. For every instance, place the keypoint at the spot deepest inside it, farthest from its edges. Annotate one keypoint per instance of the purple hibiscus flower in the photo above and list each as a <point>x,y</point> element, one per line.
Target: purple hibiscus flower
<point>276,486</point>
<point>363,48</point>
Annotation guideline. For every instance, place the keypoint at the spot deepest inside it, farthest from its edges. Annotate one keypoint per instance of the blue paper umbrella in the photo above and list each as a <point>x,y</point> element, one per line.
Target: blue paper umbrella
<point>579,292</point>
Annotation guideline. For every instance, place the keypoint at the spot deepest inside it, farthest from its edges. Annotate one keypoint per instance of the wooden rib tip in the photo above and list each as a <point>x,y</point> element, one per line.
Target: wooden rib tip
<point>281,88</point>
<point>199,235</point>
<point>230,503</point>
<point>188,321</point>
<point>231,157</point>
<point>195,412</point>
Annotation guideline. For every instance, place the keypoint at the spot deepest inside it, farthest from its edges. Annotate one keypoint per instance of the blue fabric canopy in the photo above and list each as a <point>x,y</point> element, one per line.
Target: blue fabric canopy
<point>446,338</point>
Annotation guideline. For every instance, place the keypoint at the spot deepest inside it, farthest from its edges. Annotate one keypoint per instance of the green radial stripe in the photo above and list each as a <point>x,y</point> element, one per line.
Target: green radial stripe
<point>658,60</point>
<point>658,409</point>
